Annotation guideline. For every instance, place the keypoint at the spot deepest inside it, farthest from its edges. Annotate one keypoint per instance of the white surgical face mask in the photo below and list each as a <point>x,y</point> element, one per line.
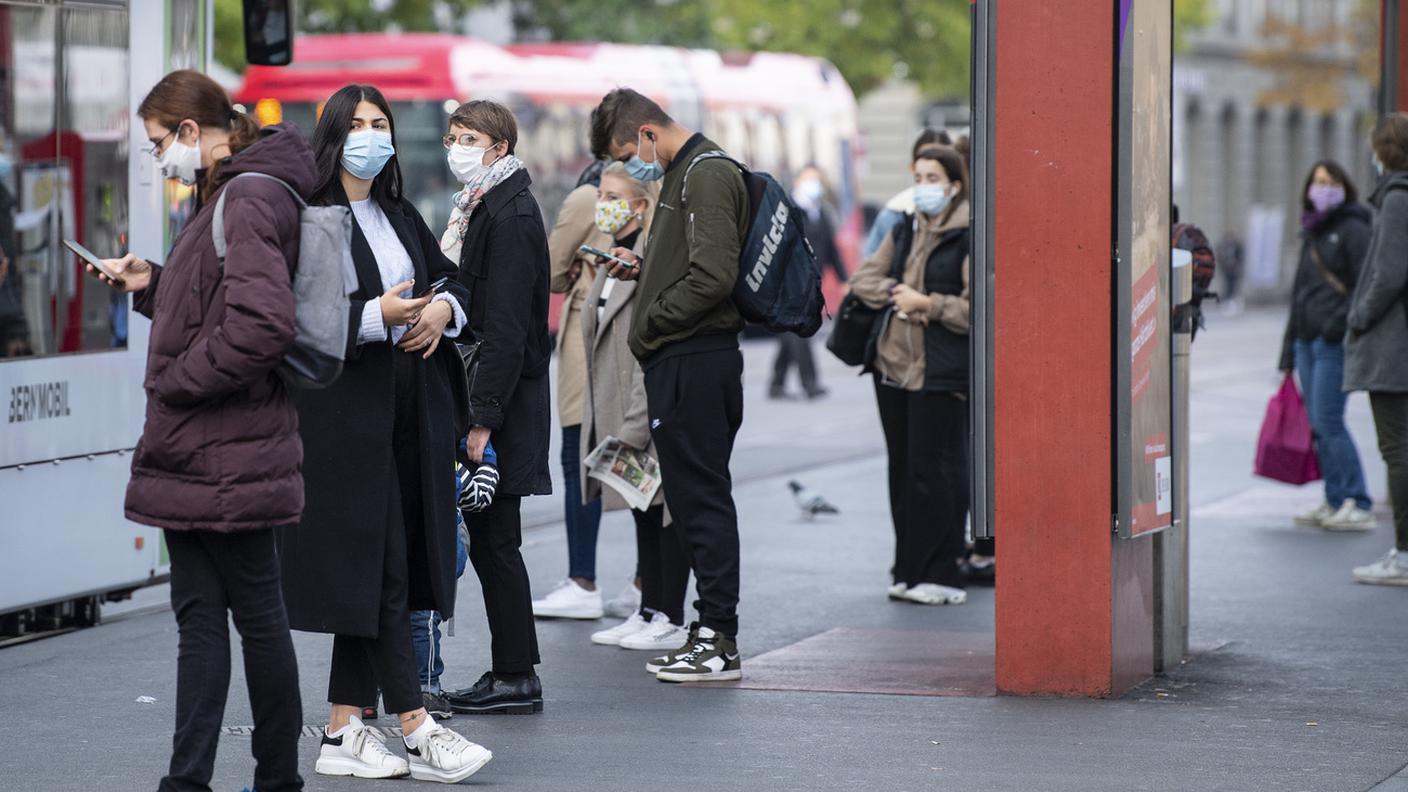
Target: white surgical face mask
<point>467,163</point>
<point>180,161</point>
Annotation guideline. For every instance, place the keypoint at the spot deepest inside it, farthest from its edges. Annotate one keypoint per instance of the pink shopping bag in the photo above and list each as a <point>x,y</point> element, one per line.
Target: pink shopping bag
<point>1286,449</point>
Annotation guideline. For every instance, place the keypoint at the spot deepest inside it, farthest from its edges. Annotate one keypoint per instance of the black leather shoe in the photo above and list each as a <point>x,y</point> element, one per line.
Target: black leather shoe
<point>491,695</point>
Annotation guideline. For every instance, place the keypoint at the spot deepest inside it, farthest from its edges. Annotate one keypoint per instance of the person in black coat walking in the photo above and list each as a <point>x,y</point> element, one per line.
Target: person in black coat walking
<point>809,191</point>
<point>496,231</point>
<point>1334,241</point>
<point>378,534</point>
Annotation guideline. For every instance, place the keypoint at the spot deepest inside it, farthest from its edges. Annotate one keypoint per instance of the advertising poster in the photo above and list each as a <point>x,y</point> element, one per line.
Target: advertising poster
<point>1143,354</point>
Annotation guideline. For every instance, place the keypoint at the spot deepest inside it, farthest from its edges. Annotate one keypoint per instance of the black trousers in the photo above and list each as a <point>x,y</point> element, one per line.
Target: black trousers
<point>495,539</point>
<point>696,409</point>
<point>793,349</point>
<point>663,560</point>
<point>360,665</point>
<point>214,575</point>
<point>1391,424</point>
<point>925,440</point>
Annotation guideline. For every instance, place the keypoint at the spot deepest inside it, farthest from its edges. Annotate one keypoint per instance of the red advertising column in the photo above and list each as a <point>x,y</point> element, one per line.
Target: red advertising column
<point>1075,607</point>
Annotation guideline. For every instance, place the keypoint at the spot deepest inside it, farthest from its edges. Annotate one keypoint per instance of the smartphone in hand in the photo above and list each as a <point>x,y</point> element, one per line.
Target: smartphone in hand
<point>588,249</point>
<point>434,288</point>
<point>93,260</point>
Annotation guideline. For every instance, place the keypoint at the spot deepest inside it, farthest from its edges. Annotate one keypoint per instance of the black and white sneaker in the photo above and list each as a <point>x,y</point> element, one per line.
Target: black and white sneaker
<point>438,754</point>
<point>712,658</point>
<point>654,664</point>
<point>359,752</point>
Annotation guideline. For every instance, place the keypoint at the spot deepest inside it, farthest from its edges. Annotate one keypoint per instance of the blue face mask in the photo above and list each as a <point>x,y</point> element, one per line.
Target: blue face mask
<point>366,153</point>
<point>640,170</point>
<point>930,198</point>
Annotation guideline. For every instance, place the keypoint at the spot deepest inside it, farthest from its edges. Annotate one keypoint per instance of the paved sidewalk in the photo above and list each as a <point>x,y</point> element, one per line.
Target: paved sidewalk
<point>1305,692</point>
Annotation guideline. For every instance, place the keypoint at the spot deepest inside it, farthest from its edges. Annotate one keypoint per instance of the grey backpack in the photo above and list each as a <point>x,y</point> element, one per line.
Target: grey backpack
<point>322,279</point>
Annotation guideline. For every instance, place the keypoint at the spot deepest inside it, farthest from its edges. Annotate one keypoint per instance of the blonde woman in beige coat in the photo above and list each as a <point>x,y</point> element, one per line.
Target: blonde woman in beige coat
<point>615,406</point>
<point>577,596</point>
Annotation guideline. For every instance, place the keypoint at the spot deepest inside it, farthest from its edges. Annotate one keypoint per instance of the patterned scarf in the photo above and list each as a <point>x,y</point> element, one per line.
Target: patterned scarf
<point>468,199</point>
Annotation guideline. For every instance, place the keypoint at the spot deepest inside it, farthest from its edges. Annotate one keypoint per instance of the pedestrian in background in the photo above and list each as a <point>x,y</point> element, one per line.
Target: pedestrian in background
<point>616,406</point>
<point>809,192</point>
<point>902,203</point>
<point>378,538</point>
<point>1231,261</point>
<point>1334,240</point>
<point>921,377</point>
<point>1376,352</point>
<point>217,465</point>
<point>685,335</point>
<point>504,264</point>
<point>576,597</point>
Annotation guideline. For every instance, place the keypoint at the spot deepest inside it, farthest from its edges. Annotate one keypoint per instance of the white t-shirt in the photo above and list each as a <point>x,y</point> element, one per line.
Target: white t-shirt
<point>395,266</point>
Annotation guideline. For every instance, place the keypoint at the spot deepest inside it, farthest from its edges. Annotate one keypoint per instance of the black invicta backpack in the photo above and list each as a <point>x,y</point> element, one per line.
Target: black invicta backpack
<point>779,282</point>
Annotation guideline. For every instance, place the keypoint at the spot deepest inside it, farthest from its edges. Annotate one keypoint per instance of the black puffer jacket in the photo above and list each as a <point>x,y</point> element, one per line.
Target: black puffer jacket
<point>1319,306</point>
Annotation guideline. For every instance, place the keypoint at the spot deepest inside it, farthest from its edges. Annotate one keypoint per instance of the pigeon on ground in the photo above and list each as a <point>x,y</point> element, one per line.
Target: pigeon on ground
<point>810,502</point>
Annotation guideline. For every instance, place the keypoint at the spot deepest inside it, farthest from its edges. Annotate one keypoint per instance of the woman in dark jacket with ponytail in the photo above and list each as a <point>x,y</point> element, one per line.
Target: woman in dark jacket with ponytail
<point>1334,241</point>
<point>920,272</point>
<point>217,465</point>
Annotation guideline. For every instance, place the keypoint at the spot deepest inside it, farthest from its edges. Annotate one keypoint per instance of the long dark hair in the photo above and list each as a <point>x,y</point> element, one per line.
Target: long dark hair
<point>331,135</point>
<point>186,94</point>
<point>1338,173</point>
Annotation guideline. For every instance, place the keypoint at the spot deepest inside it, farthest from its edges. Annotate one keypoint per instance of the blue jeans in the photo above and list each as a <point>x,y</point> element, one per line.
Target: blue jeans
<point>1320,365</point>
<point>583,520</point>
<point>425,624</point>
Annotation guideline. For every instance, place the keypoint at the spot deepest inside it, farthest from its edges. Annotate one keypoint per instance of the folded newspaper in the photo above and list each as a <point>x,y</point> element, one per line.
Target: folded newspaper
<point>633,474</point>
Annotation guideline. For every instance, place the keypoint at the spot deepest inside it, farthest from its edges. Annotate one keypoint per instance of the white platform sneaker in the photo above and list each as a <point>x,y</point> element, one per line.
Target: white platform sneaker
<point>569,601</point>
<point>934,594</point>
<point>438,754</point>
<point>359,752</point>
<point>659,635</point>
<point>614,635</point>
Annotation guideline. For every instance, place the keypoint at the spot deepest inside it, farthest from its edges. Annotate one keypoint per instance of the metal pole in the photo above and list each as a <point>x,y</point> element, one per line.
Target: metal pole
<point>1171,545</point>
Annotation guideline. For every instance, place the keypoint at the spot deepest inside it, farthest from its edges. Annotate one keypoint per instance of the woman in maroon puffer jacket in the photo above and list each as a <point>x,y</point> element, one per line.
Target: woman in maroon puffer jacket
<point>218,464</point>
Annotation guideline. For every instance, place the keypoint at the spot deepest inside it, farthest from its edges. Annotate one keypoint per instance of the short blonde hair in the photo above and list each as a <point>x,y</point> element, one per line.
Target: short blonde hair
<point>647,191</point>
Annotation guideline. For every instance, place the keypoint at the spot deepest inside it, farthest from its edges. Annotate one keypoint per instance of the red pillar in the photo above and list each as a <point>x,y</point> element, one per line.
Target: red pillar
<point>1074,610</point>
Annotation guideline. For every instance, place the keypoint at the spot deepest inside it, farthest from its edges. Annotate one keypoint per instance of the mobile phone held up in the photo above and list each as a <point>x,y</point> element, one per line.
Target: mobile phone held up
<point>434,288</point>
<point>603,254</point>
<point>97,263</point>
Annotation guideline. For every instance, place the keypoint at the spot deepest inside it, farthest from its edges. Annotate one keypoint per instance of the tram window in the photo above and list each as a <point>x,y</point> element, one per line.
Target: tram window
<point>68,182</point>
<point>268,32</point>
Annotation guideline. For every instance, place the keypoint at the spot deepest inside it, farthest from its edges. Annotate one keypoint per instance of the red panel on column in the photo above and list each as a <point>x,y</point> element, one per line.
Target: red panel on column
<point>1052,346</point>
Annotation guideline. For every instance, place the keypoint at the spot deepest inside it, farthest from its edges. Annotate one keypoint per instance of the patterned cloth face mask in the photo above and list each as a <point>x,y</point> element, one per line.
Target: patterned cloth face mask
<point>612,216</point>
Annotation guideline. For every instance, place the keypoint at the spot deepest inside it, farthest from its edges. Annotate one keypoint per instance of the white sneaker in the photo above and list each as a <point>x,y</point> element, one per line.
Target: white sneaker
<point>358,751</point>
<point>897,591</point>
<point>934,594</point>
<point>625,629</point>
<point>569,601</point>
<point>1351,518</point>
<point>660,635</point>
<point>1317,516</point>
<point>438,754</point>
<point>625,603</point>
<point>1391,570</point>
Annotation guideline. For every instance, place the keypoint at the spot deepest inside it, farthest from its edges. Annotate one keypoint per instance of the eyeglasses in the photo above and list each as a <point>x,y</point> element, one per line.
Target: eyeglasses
<point>155,150</point>
<point>468,140</point>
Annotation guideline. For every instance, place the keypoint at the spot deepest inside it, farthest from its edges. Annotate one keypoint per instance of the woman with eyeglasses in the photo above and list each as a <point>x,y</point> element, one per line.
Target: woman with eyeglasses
<point>378,536</point>
<point>496,233</point>
<point>217,465</point>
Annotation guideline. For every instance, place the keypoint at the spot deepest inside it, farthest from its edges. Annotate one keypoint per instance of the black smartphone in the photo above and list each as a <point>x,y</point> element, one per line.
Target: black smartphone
<point>603,254</point>
<point>434,288</point>
<point>88,256</point>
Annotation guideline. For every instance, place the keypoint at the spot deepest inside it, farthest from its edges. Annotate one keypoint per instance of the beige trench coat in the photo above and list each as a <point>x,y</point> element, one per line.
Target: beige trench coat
<point>576,226</point>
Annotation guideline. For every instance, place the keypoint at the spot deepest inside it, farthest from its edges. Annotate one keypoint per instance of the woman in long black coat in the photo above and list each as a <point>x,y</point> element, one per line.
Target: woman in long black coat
<point>378,533</point>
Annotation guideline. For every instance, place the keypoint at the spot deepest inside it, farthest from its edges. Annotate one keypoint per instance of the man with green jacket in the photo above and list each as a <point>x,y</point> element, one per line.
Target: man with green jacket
<point>685,335</point>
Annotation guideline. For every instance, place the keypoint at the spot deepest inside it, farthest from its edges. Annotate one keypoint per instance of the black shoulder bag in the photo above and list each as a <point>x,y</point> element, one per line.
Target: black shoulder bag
<point>856,332</point>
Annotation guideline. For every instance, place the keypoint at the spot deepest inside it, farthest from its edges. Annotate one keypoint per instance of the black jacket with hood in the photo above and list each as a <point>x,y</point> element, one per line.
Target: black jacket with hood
<point>1319,304</point>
